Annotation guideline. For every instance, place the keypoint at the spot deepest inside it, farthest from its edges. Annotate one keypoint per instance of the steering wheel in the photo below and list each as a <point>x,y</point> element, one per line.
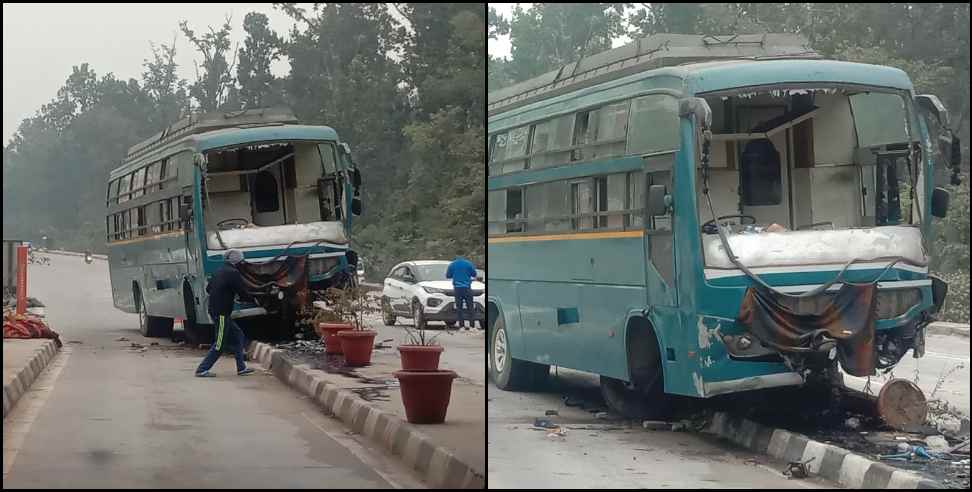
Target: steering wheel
<point>242,223</point>
<point>710,226</point>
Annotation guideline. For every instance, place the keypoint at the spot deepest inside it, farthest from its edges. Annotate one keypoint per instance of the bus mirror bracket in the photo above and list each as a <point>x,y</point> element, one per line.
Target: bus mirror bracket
<point>657,203</point>
<point>698,107</point>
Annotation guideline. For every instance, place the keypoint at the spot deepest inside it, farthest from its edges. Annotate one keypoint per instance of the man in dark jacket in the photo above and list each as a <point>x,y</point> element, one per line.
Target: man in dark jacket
<point>225,285</point>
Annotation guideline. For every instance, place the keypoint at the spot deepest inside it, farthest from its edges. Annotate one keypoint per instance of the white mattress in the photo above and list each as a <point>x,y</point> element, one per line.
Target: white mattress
<point>282,235</point>
<point>815,247</point>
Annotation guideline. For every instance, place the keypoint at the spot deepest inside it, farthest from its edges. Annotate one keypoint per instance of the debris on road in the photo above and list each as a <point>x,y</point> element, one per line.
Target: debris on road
<point>797,469</point>
<point>303,346</point>
<point>601,415</point>
<point>853,423</point>
<point>121,339</point>
<point>26,326</point>
<point>656,425</point>
<point>544,424</point>
<point>902,404</point>
<point>551,412</point>
<point>937,444</point>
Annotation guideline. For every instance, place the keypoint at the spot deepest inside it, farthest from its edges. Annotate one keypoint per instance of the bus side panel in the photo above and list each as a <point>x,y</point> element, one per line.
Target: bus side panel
<point>575,316</point>
<point>122,272</point>
<point>165,267</point>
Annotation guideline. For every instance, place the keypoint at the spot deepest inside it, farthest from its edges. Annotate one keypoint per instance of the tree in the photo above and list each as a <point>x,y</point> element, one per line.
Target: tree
<point>213,84</point>
<point>549,35</point>
<point>261,48</point>
<point>165,89</point>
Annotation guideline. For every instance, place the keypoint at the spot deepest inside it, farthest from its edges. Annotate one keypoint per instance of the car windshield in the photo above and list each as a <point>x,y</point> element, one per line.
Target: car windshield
<point>435,271</point>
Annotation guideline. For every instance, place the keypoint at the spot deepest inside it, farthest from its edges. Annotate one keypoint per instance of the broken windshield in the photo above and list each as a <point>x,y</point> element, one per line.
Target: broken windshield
<point>788,160</point>
<point>272,184</point>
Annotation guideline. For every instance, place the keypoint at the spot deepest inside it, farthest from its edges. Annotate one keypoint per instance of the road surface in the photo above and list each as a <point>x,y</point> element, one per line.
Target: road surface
<point>598,454</point>
<point>110,416</point>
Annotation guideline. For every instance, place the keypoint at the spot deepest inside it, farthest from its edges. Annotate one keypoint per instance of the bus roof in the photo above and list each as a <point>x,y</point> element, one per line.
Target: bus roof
<point>240,136</point>
<point>229,137</point>
<point>658,50</point>
<point>705,77</point>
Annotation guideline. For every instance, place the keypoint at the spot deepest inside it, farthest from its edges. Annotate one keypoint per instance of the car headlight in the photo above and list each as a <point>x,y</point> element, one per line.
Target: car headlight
<point>433,290</point>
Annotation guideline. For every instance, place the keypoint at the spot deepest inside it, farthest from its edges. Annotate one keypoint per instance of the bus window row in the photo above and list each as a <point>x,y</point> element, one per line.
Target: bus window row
<point>613,202</point>
<point>142,181</point>
<point>151,219</point>
<point>616,129</point>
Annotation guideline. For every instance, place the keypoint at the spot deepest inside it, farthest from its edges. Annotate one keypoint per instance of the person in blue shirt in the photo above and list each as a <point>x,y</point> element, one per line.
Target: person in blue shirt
<point>462,272</point>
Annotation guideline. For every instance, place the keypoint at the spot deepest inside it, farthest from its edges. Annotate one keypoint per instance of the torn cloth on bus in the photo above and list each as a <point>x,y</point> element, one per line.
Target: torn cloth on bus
<point>289,274</point>
<point>846,317</point>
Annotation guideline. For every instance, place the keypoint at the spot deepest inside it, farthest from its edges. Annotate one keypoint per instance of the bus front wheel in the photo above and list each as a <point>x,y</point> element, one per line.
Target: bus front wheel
<point>508,373</point>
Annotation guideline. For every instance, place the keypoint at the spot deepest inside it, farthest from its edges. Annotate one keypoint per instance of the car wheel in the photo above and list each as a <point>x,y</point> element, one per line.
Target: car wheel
<point>508,373</point>
<point>418,315</point>
<point>386,312</point>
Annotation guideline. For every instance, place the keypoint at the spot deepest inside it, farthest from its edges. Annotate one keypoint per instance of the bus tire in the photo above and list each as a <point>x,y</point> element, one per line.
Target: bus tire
<point>644,397</point>
<point>150,326</point>
<point>195,332</point>
<point>508,373</point>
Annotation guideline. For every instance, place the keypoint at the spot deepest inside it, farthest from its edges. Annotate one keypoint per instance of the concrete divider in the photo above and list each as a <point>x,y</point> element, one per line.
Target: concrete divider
<point>23,361</point>
<point>945,328</point>
<point>830,462</point>
<point>436,464</point>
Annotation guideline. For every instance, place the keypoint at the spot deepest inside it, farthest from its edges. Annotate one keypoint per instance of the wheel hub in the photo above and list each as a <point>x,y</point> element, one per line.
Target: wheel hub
<point>499,350</point>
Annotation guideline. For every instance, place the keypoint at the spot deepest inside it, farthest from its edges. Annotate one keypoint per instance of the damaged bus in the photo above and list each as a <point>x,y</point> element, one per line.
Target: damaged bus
<point>253,180</point>
<point>697,216</point>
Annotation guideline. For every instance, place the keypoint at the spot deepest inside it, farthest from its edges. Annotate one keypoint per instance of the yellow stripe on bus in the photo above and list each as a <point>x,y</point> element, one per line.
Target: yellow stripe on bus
<point>564,237</point>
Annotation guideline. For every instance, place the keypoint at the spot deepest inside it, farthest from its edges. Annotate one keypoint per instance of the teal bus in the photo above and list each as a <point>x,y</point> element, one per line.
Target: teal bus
<point>700,216</point>
<point>252,180</point>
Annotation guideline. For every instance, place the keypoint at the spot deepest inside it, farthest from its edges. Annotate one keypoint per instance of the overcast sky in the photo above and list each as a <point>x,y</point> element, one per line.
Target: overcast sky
<point>41,42</point>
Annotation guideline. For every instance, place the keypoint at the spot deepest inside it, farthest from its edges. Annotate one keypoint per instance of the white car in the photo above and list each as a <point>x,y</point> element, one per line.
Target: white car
<point>421,291</point>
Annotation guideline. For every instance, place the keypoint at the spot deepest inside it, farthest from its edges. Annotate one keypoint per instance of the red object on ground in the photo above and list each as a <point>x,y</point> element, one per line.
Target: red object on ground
<point>426,395</point>
<point>420,357</point>
<point>357,346</point>
<point>21,279</point>
<point>329,331</point>
<point>26,326</point>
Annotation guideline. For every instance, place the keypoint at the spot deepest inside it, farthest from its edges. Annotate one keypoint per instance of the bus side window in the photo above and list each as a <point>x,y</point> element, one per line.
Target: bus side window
<point>514,210</point>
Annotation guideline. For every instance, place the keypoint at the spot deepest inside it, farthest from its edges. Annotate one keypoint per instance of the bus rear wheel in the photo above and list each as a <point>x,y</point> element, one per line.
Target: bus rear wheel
<point>151,326</point>
<point>508,373</point>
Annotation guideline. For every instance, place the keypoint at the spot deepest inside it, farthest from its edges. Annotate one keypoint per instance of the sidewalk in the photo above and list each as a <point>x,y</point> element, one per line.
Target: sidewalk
<point>449,454</point>
<point>23,361</point>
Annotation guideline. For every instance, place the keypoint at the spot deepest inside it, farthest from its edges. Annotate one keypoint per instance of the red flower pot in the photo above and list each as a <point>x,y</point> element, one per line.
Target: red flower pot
<point>420,357</point>
<point>329,331</point>
<point>426,394</point>
<point>357,346</point>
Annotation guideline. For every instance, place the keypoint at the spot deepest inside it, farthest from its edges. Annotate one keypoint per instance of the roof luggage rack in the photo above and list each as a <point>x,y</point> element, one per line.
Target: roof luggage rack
<point>204,122</point>
<point>654,51</point>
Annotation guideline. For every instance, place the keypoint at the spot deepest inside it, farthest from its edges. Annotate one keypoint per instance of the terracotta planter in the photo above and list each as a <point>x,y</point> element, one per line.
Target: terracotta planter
<point>420,357</point>
<point>357,346</point>
<point>426,395</point>
<point>329,331</point>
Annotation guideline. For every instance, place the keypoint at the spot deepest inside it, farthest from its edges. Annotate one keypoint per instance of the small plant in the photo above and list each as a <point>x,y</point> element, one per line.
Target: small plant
<point>419,337</point>
<point>346,305</point>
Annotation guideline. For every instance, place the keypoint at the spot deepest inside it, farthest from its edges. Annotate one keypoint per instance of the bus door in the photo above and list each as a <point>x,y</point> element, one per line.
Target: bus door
<point>658,234</point>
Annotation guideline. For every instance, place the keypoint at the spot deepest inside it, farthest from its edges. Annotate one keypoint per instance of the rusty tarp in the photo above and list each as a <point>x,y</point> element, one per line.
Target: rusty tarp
<point>290,274</point>
<point>847,317</point>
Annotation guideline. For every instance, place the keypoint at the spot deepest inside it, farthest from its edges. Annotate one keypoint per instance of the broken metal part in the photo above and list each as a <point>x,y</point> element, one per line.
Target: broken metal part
<point>797,469</point>
<point>846,318</point>
<point>902,405</point>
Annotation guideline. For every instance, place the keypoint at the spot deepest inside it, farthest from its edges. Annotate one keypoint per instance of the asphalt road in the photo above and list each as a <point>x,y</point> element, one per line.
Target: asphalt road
<point>604,453</point>
<point>113,416</point>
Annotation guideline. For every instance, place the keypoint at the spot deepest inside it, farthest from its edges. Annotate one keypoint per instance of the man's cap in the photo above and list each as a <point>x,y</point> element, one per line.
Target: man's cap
<point>233,256</point>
